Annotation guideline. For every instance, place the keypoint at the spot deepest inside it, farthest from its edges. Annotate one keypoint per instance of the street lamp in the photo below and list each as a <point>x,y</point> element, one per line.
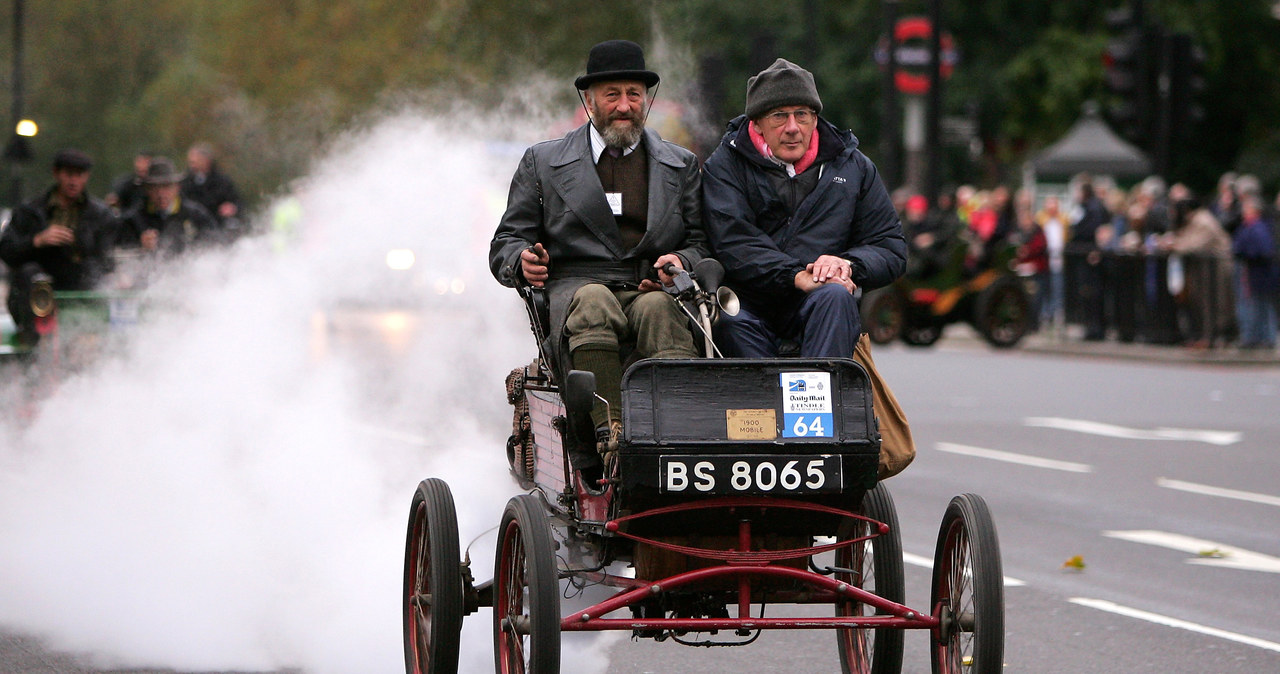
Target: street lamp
<point>18,151</point>
<point>19,148</point>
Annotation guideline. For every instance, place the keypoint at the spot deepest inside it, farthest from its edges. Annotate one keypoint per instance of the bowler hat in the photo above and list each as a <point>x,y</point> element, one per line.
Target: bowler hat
<point>616,60</point>
<point>162,172</point>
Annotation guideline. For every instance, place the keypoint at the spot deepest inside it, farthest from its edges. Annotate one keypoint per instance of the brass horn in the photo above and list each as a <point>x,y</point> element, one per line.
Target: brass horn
<point>42,297</point>
<point>727,300</point>
<point>710,274</point>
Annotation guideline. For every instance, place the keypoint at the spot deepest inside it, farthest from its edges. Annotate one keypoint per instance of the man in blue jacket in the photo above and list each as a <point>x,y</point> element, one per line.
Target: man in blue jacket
<point>799,218</point>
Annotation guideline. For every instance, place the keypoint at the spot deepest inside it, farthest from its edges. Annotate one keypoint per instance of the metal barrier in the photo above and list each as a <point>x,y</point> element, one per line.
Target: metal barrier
<point>1152,297</point>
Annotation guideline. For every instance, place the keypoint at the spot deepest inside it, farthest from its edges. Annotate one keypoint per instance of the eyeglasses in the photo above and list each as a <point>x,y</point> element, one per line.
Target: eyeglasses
<point>803,117</point>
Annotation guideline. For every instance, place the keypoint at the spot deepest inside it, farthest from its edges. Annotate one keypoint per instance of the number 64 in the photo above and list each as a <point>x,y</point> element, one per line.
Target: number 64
<point>801,429</point>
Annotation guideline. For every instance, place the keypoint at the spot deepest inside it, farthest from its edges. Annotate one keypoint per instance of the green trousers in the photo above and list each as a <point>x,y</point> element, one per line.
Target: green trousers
<point>601,320</point>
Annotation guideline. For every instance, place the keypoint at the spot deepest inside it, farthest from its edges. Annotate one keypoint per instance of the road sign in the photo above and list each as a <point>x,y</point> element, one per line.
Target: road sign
<point>911,51</point>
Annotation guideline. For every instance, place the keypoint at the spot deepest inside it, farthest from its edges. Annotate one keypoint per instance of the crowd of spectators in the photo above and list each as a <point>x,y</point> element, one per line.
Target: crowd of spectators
<point>1153,263</point>
<point>73,241</point>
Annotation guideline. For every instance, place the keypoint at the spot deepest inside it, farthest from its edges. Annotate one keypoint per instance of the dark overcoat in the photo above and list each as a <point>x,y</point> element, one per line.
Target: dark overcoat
<point>556,199</point>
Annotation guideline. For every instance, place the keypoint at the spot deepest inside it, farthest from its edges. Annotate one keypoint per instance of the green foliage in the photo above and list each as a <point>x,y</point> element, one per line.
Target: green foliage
<point>86,64</point>
<point>269,83</point>
<point>1043,84</point>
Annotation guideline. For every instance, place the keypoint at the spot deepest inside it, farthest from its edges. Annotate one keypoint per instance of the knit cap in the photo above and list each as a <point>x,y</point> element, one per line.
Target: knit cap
<point>783,83</point>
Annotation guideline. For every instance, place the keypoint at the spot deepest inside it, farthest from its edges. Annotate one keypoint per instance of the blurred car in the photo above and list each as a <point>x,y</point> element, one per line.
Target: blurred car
<point>982,290</point>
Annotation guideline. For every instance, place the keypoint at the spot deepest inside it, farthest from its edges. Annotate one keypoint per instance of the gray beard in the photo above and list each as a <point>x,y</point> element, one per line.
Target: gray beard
<point>621,138</point>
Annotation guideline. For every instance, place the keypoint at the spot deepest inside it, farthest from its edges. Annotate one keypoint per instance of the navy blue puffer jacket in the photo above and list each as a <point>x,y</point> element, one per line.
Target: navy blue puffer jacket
<point>762,246</point>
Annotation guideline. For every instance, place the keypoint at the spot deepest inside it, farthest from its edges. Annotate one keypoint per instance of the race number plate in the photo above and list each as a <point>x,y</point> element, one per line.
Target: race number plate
<point>806,405</point>
<point>774,474</point>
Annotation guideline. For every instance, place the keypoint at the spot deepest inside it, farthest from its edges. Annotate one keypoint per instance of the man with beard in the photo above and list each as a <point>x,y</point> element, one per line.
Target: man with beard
<point>593,218</point>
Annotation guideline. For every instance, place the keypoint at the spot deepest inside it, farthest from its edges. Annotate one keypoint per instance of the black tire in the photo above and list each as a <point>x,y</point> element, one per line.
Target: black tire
<point>883,313</point>
<point>433,587</point>
<point>864,651</point>
<point>526,597</point>
<point>1003,313</point>
<point>968,591</point>
<point>926,334</point>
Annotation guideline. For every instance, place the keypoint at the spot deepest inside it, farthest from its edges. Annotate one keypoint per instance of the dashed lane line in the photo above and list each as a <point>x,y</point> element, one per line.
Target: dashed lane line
<point>1011,457</point>
<point>1207,490</point>
<point>1112,607</point>
<point>917,560</point>
<point>1220,438</point>
<point>1207,553</point>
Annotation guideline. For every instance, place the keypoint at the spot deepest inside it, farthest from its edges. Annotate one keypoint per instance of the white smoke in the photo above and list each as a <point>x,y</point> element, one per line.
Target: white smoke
<point>231,490</point>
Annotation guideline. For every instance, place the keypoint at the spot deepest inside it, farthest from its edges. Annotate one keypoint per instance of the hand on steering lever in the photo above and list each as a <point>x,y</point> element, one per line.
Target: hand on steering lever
<point>534,262</point>
<point>663,277</point>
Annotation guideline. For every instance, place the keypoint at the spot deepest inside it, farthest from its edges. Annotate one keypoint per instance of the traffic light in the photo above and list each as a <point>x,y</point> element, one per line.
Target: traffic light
<point>1186,83</point>
<point>1130,67</point>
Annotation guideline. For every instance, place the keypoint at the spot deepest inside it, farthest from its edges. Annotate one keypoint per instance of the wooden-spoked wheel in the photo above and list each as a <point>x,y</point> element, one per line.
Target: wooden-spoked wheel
<point>968,591</point>
<point>526,598</point>
<point>433,587</point>
<point>877,567</point>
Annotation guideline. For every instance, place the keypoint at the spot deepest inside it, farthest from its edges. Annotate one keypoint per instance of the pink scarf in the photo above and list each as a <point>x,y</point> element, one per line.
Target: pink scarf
<point>805,162</point>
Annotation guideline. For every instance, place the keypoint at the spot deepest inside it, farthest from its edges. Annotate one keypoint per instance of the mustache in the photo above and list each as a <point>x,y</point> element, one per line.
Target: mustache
<point>629,116</point>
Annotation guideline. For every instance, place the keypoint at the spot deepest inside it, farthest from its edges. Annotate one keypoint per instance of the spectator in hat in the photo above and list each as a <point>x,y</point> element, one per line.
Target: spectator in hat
<point>63,234</point>
<point>928,237</point>
<point>593,218</point>
<point>167,223</point>
<point>800,219</point>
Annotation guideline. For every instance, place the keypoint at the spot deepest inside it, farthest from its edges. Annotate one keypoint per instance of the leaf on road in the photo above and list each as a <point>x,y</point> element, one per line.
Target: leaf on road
<point>1076,563</point>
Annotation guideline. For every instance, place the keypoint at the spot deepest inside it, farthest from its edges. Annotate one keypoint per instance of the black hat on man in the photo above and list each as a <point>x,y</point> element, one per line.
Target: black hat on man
<point>616,60</point>
<point>72,160</point>
<point>162,172</point>
<point>783,83</point>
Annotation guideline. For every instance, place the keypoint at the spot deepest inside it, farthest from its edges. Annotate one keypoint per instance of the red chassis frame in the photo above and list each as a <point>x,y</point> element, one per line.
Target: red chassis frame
<point>744,565</point>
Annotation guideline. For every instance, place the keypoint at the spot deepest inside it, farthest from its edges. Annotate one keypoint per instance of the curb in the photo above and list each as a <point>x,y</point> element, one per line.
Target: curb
<point>1069,345</point>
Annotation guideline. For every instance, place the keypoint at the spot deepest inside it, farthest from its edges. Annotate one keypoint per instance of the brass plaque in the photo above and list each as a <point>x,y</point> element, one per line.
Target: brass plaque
<point>751,424</point>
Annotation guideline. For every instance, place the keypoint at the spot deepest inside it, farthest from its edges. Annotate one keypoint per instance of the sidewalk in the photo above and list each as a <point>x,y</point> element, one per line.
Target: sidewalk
<point>1071,343</point>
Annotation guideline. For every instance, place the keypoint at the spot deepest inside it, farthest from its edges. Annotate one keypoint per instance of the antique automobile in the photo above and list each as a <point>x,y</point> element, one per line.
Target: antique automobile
<point>739,484</point>
<point>985,293</point>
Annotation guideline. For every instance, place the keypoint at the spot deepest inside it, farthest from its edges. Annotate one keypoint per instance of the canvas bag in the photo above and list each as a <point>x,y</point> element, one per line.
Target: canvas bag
<point>897,449</point>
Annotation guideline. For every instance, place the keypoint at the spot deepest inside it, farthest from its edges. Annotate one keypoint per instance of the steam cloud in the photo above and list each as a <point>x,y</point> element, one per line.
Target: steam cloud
<point>230,490</point>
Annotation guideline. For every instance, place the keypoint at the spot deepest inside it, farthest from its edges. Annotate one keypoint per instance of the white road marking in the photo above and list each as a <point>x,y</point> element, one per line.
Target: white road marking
<point>1010,457</point>
<point>925,562</point>
<point>1112,607</point>
<point>1221,438</point>
<point>1218,491</point>
<point>1222,555</point>
<point>917,560</point>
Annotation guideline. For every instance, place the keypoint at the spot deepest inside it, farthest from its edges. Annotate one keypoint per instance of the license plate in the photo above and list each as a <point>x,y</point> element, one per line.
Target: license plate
<point>720,474</point>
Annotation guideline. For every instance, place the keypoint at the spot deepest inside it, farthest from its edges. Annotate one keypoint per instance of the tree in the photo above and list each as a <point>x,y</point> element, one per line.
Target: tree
<point>270,83</point>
